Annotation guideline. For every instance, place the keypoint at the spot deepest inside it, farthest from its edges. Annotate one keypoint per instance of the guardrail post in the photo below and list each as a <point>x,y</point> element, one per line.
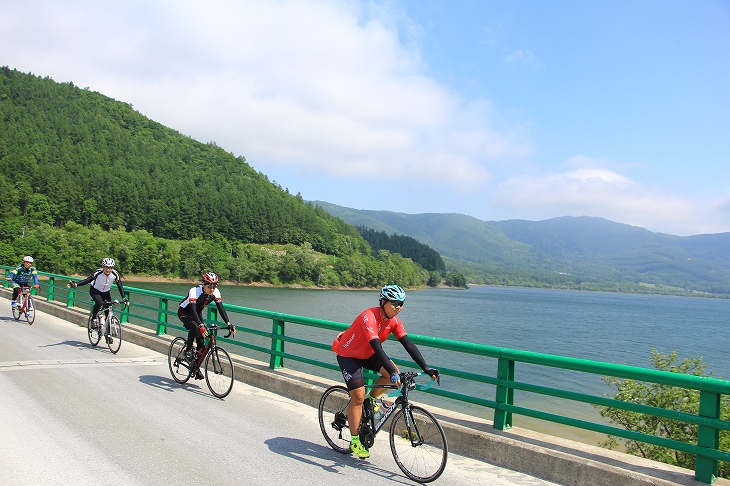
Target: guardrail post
<point>125,312</point>
<point>51,286</point>
<point>505,394</point>
<point>706,469</point>
<point>162,317</point>
<point>70,297</point>
<point>277,345</point>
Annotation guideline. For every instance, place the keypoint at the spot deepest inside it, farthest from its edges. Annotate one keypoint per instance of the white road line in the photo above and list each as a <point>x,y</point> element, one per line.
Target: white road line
<point>57,363</point>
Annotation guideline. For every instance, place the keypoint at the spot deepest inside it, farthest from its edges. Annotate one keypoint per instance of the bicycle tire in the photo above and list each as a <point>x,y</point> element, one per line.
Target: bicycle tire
<point>179,367</point>
<point>16,309</point>
<point>94,333</point>
<point>29,309</point>
<point>425,460</point>
<point>219,372</point>
<point>115,332</point>
<point>332,412</point>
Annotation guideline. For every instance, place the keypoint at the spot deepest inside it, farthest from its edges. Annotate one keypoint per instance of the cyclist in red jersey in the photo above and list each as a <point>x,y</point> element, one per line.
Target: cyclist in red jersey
<point>359,346</point>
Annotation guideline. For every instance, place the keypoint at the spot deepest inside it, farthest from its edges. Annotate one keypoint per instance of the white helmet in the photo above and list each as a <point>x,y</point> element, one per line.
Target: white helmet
<point>107,262</point>
<point>28,259</point>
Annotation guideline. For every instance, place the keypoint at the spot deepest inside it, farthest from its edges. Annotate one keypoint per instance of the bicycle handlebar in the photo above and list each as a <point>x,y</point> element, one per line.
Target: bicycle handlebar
<point>408,378</point>
<point>215,327</point>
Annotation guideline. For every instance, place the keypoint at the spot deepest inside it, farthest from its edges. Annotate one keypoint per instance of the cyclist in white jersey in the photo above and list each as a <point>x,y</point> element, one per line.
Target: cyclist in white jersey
<point>101,283</point>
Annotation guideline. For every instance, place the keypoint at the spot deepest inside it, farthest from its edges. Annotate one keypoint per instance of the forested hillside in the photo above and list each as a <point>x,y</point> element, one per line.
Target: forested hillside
<point>77,166</point>
<point>567,252</point>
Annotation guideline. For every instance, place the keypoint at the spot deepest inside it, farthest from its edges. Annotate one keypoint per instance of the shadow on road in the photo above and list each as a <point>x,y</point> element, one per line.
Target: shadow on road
<point>326,458</point>
<point>169,385</point>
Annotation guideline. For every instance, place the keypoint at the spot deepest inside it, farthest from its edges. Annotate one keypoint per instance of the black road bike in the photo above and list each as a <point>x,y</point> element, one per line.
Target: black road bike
<point>214,359</point>
<point>417,440</point>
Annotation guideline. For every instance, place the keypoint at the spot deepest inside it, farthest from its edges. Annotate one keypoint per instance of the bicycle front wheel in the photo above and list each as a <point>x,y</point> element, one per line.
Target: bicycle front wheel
<point>29,310</point>
<point>180,369</point>
<point>92,326</point>
<point>219,372</point>
<point>115,333</point>
<point>418,444</point>
<point>333,418</point>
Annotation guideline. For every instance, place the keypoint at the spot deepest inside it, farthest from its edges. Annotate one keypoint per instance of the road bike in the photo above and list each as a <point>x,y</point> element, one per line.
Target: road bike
<point>25,306</point>
<point>214,359</point>
<point>110,328</point>
<point>417,440</point>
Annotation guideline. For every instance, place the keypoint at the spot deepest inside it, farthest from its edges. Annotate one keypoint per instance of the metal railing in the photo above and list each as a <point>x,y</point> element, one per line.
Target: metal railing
<point>153,310</point>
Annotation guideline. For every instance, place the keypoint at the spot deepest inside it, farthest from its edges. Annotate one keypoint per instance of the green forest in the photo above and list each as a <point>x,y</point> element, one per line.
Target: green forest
<point>84,176</point>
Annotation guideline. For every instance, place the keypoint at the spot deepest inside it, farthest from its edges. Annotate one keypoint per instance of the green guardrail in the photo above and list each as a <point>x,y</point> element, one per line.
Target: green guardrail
<point>707,448</point>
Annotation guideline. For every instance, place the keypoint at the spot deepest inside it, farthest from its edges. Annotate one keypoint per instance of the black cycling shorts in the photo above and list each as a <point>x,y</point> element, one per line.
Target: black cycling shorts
<point>352,369</point>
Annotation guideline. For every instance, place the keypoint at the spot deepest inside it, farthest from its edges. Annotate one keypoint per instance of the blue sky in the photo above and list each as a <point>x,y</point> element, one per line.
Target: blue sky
<point>495,109</point>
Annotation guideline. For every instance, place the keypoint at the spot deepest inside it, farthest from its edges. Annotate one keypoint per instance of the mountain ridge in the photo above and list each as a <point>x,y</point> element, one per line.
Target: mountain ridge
<point>584,247</point>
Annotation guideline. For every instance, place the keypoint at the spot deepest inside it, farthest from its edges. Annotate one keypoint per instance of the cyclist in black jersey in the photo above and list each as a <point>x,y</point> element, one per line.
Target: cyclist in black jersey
<point>101,283</point>
<point>191,314</point>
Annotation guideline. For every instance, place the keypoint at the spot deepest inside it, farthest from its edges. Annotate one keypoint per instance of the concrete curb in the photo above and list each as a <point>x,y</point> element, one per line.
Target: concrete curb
<point>562,461</point>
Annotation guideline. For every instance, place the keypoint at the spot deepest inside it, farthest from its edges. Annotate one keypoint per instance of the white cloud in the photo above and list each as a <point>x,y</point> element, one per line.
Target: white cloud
<point>608,194</point>
<point>323,86</point>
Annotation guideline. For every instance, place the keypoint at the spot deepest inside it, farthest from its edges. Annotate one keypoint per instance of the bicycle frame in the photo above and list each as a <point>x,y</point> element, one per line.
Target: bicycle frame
<point>25,307</point>
<point>401,401</point>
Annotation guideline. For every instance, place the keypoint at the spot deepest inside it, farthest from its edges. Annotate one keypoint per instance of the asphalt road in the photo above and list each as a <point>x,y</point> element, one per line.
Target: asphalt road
<point>71,413</point>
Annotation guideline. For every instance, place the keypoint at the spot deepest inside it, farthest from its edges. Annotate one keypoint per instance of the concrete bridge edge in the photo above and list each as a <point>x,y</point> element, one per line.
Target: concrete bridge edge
<point>562,461</point>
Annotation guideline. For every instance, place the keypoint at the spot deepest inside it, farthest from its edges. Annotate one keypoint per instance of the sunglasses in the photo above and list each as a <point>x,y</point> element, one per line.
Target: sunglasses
<point>211,286</point>
<point>396,303</point>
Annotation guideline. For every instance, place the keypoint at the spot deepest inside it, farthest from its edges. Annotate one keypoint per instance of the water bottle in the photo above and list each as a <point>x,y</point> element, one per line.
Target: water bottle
<point>378,415</point>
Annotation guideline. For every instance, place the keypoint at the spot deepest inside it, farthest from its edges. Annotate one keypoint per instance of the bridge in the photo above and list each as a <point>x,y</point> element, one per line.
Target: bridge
<point>77,414</point>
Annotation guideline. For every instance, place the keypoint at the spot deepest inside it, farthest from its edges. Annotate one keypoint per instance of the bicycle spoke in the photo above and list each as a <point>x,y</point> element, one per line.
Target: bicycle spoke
<point>92,327</point>
<point>29,308</point>
<point>115,333</point>
<point>219,372</point>
<point>179,367</point>
<point>333,418</point>
<point>418,444</point>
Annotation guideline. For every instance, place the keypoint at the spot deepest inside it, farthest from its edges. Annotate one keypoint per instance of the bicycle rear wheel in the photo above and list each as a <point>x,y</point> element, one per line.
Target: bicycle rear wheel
<point>333,418</point>
<point>92,326</point>
<point>115,333</point>
<point>219,372</point>
<point>418,444</point>
<point>179,368</point>
<point>16,309</point>
<point>29,310</point>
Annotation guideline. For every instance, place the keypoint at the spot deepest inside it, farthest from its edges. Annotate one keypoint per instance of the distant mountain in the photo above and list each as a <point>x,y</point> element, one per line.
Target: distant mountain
<point>568,248</point>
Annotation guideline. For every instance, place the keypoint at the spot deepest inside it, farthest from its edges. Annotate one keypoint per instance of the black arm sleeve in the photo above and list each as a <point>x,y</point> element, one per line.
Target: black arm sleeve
<point>222,312</point>
<point>121,288</point>
<point>413,352</point>
<point>378,348</point>
<point>86,280</point>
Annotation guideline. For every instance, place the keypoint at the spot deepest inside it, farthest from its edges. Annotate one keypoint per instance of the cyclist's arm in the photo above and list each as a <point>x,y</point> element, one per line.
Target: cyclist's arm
<point>35,278</point>
<point>222,312</point>
<point>121,288</point>
<point>86,280</point>
<point>380,353</point>
<point>413,352</point>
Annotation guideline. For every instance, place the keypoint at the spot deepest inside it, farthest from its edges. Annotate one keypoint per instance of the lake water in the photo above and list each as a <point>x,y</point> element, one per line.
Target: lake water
<point>609,327</point>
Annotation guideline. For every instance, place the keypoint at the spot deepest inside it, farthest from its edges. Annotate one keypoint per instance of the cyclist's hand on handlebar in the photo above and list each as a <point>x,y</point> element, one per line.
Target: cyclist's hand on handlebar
<point>434,374</point>
<point>203,331</point>
<point>125,301</point>
<point>395,378</point>
<point>231,330</point>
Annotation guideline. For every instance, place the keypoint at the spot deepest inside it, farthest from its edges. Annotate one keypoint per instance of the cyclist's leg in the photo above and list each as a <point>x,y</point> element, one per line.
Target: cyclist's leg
<point>352,372</point>
<point>384,375</point>
<point>98,299</point>
<point>16,292</point>
<point>192,328</point>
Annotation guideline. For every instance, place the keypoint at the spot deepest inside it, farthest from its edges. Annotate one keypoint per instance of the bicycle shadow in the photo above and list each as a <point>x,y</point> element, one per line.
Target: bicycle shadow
<point>81,345</point>
<point>324,457</point>
<point>169,385</point>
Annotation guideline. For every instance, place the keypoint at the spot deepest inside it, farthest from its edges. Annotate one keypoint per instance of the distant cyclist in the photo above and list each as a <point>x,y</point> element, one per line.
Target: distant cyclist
<point>359,346</point>
<point>100,291</point>
<point>21,275</point>
<point>191,315</point>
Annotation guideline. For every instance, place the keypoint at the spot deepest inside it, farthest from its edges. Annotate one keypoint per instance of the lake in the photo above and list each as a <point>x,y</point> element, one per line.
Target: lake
<point>609,327</point>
